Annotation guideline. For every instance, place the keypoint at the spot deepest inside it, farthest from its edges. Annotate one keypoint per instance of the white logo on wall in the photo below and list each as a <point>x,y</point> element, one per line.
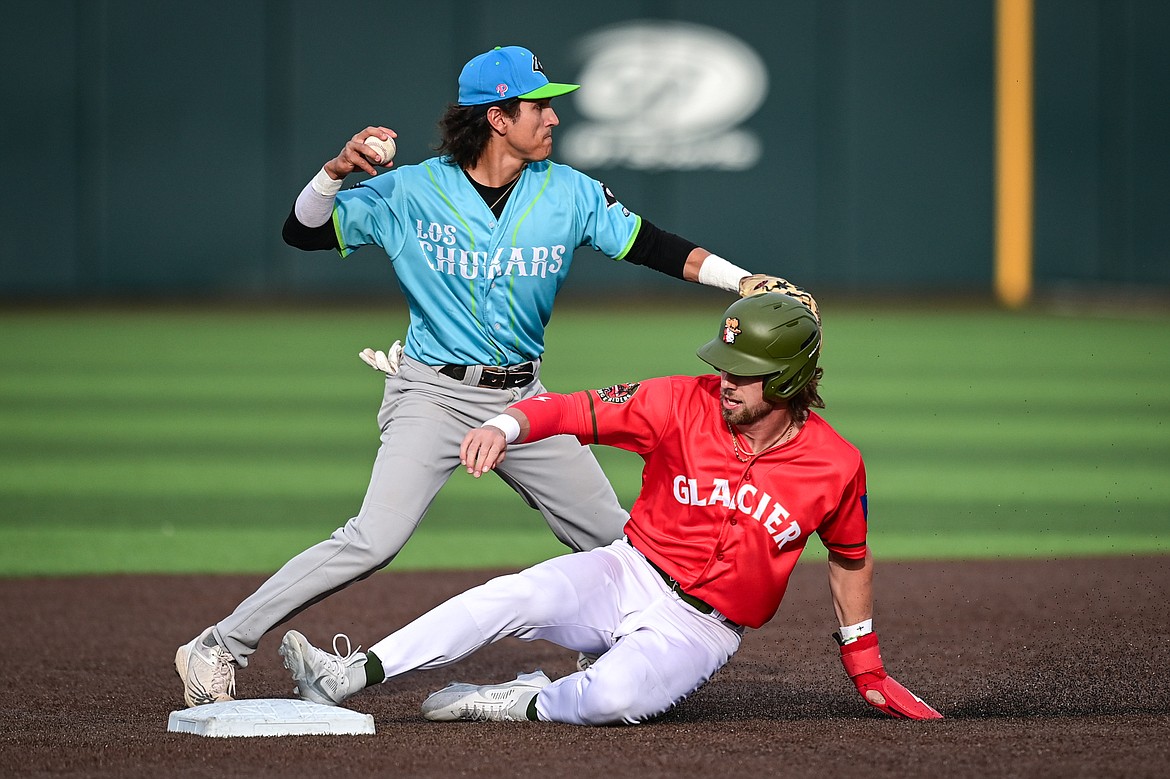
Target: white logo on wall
<point>665,96</point>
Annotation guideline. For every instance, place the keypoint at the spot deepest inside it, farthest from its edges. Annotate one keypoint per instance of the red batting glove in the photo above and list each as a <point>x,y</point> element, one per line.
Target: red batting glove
<point>863,662</point>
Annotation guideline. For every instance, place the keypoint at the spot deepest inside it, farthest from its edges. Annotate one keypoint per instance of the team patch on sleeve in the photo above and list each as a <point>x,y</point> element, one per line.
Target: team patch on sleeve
<point>618,393</point>
<point>611,199</point>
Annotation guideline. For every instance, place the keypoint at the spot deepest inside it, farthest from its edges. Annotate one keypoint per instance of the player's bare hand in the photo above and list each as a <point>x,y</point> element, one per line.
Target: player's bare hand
<point>483,449</point>
<point>356,155</point>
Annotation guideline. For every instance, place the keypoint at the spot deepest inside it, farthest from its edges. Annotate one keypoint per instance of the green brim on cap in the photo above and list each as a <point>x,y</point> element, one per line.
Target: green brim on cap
<point>549,90</point>
<point>724,357</point>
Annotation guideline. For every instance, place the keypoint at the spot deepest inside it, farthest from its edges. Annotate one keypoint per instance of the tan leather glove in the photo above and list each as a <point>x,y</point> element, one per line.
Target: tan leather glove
<point>759,283</point>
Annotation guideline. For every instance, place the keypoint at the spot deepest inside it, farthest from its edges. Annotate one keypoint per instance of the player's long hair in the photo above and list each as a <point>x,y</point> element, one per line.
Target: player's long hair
<point>808,398</point>
<point>466,132</point>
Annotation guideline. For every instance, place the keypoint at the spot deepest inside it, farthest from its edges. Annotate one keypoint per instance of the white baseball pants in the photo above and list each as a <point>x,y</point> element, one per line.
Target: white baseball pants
<point>657,648</point>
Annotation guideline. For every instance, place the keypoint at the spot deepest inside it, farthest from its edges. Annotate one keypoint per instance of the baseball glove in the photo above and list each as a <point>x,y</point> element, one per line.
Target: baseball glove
<point>759,283</point>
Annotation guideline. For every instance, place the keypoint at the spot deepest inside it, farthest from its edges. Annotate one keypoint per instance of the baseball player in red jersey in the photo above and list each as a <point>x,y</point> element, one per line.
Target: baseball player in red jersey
<point>739,473</point>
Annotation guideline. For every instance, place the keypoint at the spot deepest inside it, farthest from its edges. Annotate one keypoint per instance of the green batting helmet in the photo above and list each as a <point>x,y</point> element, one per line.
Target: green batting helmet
<point>771,335</point>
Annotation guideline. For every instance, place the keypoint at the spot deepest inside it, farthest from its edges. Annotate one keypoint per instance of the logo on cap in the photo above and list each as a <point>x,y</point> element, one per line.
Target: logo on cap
<point>500,74</point>
<point>731,329</point>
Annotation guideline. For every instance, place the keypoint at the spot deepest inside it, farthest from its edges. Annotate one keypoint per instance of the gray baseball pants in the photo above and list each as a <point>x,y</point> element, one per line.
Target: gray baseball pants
<point>424,418</point>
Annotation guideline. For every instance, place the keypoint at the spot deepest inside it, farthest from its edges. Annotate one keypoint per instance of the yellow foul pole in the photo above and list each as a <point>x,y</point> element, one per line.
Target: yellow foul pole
<point>1013,152</point>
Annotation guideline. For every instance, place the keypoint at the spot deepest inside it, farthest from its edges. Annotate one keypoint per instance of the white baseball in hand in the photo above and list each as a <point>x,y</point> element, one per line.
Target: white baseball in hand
<point>385,149</point>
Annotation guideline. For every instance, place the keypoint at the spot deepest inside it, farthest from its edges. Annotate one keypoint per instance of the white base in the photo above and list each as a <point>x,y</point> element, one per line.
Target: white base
<point>269,717</point>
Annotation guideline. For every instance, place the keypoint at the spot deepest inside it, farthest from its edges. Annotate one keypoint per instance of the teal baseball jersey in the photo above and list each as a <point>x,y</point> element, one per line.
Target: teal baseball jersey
<point>481,289</point>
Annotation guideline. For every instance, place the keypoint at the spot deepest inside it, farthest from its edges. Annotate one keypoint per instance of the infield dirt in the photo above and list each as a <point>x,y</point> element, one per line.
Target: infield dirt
<point>1042,669</point>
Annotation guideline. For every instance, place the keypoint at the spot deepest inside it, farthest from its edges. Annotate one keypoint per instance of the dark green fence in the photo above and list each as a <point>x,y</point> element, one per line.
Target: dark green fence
<point>153,149</point>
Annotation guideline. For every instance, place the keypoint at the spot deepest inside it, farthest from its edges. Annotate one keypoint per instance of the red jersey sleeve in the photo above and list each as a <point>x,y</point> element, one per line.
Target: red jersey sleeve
<point>627,416</point>
<point>844,530</point>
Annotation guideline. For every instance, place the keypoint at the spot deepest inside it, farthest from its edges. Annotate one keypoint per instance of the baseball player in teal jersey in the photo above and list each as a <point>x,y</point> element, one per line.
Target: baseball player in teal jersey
<point>481,239</point>
<point>481,287</point>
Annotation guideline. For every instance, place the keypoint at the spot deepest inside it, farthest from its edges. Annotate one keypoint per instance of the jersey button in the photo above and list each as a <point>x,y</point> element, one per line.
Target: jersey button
<point>734,521</point>
<point>719,556</point>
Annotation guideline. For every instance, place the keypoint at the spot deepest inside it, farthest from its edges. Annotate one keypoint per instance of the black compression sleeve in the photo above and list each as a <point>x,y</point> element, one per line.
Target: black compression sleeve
<point>298,236</point>
<point>664,252</point>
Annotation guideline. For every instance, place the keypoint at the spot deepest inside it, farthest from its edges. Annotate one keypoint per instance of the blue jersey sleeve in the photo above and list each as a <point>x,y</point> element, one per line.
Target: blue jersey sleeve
<point>607,225</point>
<point>370,213</point>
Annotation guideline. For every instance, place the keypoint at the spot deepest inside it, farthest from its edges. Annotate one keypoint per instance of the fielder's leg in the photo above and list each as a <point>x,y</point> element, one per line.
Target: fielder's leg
<point>419,451</point>
<point>562,479</point>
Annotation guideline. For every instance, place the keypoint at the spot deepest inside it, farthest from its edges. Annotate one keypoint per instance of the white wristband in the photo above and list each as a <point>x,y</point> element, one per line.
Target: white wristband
<point>324,185</point>
<point>506,424</point>
<point>314,206</point>
<point>718,272</point>
<point>850,633</point>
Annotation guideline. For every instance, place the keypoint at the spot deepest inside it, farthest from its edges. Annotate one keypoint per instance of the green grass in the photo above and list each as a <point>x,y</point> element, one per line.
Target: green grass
<point>217,440</point>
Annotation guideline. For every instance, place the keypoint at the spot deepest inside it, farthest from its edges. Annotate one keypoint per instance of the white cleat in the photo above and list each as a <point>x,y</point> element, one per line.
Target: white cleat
<point>321,677</point>
<point>505,702</point>
<point>208,672</point>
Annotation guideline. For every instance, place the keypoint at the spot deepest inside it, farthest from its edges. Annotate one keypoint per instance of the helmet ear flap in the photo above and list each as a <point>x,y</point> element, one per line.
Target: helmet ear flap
<point>782,385</point>
<point>774,387</point>
<point>777,387</point>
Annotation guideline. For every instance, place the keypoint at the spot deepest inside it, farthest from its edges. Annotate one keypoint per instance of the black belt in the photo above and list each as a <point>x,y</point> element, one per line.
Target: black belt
<point>701,606</point>
<point>494,377</point>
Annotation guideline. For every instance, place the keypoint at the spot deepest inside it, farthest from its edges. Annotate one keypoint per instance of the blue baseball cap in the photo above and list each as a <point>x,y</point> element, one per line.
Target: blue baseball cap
<point>506,72</point>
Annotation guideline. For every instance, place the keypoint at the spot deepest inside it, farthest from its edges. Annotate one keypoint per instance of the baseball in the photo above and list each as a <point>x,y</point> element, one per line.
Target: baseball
<point>385,149</point>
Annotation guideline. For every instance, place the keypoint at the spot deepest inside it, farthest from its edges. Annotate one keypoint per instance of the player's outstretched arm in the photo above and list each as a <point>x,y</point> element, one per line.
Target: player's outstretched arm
<point>713,271</point>
<point>851,583</point>
<point>676,256</point>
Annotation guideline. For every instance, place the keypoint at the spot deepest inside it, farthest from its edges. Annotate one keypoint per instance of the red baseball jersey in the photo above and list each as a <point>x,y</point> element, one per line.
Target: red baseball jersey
<point>729,532</point>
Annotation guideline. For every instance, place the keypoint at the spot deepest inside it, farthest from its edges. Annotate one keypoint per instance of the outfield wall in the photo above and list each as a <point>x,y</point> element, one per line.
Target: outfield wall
<point>154,148</point>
